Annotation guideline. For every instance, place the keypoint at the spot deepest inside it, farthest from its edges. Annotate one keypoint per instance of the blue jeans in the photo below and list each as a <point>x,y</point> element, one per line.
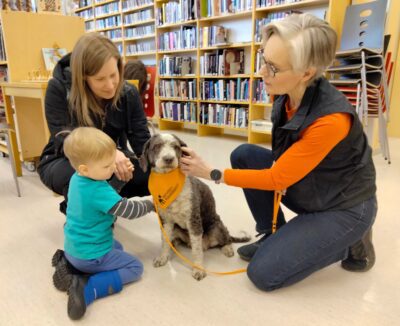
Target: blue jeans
<point>129,267</point>
<point>305,244</point>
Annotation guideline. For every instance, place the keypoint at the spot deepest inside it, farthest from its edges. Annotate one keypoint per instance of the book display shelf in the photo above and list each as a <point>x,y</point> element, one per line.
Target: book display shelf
<point>206,54</point>
<point>128,23</point>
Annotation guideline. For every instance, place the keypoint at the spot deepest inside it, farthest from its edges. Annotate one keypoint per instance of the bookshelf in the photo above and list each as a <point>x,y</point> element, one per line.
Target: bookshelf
<point>187,95</point>
<point>130,24</point>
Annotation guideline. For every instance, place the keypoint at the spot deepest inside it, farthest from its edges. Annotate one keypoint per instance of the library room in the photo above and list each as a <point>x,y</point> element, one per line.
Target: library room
<point>199,162</point>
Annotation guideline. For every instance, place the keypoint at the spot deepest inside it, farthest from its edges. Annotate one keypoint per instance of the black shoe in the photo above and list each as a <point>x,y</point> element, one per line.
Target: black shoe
<point>76,297</point>
<point>63,207</point>
<point>247,252</point>
<point>361,255</point>
<point>62,276</point>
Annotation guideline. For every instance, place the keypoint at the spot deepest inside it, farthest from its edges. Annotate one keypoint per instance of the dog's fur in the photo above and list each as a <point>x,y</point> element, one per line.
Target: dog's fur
<point>191,218</point>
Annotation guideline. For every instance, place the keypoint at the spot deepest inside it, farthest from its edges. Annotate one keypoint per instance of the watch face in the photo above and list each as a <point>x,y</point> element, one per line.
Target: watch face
<point>216,175</point>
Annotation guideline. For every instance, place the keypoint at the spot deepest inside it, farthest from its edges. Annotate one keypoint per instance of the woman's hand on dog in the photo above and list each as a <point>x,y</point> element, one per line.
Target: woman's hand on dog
<point>192,164</point>
<point>124,167</point>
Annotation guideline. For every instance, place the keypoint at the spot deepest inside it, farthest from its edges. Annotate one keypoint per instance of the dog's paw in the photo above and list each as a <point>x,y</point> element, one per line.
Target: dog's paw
<point>227,250</point>
<point>160,261</point>
<point>198,274</point>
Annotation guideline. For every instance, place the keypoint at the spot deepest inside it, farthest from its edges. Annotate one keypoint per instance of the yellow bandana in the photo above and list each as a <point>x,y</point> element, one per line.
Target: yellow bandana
<point>165,187</point>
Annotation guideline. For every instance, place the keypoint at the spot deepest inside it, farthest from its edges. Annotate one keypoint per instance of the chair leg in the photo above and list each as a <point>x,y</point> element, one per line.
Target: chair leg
<point>14,170</point>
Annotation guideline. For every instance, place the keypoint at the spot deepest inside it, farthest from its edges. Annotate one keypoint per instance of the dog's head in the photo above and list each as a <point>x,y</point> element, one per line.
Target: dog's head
<point>162,153</point>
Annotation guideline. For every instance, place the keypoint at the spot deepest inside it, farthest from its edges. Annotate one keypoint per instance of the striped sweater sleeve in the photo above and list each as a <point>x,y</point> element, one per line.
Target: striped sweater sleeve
<point>131,209</point>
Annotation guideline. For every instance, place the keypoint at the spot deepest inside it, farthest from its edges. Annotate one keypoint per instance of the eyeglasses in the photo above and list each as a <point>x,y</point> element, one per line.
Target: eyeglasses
<point>271,69</point>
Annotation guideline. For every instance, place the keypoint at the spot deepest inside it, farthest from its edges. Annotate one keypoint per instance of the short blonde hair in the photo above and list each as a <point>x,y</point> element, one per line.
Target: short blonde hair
<point>89,55</point>
<point>311,41</point>
<point>87,144</point>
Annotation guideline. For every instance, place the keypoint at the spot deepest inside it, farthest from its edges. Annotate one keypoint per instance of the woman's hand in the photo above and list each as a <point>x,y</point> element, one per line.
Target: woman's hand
<point>192,164</point>
<point>124,167</point>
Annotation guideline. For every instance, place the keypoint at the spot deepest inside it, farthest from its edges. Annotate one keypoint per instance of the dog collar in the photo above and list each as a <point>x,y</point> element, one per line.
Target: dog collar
<point>166,187</point>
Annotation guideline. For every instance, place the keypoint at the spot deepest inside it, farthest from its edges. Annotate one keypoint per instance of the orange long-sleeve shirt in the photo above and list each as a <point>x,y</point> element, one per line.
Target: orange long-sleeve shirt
<point>301,158</point>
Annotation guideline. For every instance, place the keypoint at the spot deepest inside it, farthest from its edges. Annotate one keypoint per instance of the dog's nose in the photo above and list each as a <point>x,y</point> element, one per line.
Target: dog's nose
<point>168,159</point>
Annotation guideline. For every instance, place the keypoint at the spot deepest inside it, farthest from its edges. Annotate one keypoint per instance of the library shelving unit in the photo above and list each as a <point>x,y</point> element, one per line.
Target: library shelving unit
<point>130,24</point>
<point>195,87</point>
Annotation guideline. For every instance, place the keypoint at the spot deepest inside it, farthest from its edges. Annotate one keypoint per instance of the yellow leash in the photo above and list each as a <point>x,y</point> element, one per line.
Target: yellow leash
<point>277,200</point>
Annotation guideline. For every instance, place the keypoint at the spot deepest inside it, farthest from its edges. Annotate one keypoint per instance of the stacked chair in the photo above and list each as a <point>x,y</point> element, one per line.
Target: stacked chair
<point>360,68</point>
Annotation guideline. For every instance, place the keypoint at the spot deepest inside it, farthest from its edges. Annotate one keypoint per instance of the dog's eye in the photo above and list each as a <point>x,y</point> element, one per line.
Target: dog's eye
<point>177,148</point>
<point>156,147</point>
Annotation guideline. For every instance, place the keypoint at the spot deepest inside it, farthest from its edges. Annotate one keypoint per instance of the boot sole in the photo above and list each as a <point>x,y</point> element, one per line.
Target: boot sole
<point>58,255</point>
<point>62,276</point>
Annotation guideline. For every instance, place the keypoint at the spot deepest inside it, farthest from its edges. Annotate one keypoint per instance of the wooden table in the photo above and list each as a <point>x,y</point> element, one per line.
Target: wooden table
<point>32,133</point>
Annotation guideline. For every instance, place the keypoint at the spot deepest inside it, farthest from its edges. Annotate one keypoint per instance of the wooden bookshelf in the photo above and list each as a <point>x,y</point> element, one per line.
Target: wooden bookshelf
<point>335,12</point>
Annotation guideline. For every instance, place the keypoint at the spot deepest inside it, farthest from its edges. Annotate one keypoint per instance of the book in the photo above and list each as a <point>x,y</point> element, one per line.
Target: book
<point>186,67</point>
<point>51,56</point>
<point>234,61</point>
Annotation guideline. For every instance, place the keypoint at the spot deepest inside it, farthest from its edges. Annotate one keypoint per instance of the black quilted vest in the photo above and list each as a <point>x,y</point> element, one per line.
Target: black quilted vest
<point>346,176</point>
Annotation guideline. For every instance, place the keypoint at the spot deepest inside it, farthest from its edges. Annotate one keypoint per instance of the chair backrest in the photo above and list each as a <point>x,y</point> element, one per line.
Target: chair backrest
<point>364,26</point>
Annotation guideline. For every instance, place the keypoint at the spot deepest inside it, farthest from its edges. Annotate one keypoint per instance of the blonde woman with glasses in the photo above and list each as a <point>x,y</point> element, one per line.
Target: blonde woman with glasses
<point>320,160</point>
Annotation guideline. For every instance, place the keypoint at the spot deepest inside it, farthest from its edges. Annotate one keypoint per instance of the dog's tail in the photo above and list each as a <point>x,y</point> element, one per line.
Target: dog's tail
<point>244,238</point>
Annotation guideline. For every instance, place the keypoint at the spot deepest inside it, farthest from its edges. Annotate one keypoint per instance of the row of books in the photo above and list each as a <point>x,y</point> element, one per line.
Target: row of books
<point>259,62</point>
<point>222,7</point>
<point>3,56</point>
<point>84,3</point>
<point>86,14</point>
<point>213,35</point>
<point>259,92</point>
<point>3,78</point>
<point>113,34</point>
<point>268,3</point>
<point>175,66</point>
<point>139,31</point>
<point>275,16</point>
<point>114,21</point>
<point>184,38</point>
<point>109,8</point>
<point>224,115</point>
<point>183,89</point>
<point>138,16</point>
<point>132,4</point>
<point>175,12</point>
<point>225,89</point>
<point>89,26</point>
<point>179,111</point>
<point>222,62</point>
<point>134,48</point>
<point>120,48</point>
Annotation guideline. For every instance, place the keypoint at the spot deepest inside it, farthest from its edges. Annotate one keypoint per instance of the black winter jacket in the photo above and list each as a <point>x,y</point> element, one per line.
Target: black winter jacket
<point>128,118</point>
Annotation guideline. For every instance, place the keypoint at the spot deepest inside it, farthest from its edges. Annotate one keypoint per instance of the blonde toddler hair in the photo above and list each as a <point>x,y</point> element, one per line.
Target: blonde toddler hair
<point>311,41</point>
<point>87,144</point>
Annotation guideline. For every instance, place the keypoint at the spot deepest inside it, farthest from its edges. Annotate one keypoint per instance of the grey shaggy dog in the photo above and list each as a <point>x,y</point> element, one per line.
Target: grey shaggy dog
<point>192,218</point>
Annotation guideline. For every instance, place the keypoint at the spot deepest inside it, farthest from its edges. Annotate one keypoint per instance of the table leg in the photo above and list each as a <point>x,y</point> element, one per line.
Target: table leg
<point>12,134</point>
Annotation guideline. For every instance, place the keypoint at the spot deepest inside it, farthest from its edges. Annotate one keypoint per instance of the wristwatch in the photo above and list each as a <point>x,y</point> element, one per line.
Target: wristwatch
<point>216,175</point>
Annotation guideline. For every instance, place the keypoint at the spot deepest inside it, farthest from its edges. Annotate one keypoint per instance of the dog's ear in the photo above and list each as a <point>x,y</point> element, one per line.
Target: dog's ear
<point>144,158</point>
<point>181,142</point>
